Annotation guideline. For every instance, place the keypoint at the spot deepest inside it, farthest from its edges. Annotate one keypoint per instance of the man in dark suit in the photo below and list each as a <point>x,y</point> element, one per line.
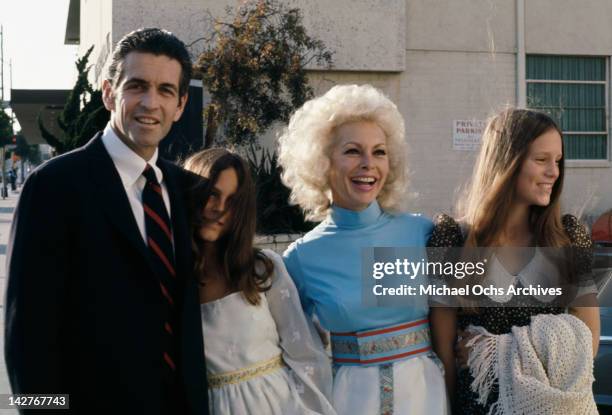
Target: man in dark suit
<point>100,303</point>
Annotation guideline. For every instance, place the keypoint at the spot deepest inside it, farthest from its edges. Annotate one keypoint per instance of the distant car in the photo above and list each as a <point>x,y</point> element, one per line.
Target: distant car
<point>602,229</point>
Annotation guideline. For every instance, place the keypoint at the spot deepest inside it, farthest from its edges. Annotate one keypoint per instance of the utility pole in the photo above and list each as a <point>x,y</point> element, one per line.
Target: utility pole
<point>2,64</point>
<point>2,149</point>
<point>14,118</point>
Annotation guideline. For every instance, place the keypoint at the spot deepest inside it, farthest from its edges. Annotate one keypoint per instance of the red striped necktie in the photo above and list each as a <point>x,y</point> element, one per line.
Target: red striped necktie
<point>159,239</point>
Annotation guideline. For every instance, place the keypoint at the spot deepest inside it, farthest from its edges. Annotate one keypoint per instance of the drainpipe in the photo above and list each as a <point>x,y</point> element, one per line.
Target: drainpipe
<point>521,87</point>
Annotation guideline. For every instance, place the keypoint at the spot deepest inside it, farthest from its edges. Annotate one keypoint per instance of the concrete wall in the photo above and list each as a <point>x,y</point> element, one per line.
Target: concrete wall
<point>461,25</point>
<point>461,64</point>
<point>277,243</point>
<point>185,18</point>
<point>104,23</point>
<point>440,87</point>
<point>371,39</point>
<point>97,30</point>
<point>367,35</point>
<point>569,27</point>
<point>439,60</point>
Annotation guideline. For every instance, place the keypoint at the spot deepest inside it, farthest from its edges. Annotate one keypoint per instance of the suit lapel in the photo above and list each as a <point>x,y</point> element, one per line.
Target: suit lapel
<point>112,197</point>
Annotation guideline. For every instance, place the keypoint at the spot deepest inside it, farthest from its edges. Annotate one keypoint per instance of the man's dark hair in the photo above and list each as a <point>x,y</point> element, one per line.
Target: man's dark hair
<point>157,42</point>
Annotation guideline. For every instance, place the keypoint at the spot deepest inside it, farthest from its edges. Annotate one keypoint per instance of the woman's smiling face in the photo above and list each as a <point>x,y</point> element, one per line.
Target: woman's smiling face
<point>540,170</point>
<point>359,164</point>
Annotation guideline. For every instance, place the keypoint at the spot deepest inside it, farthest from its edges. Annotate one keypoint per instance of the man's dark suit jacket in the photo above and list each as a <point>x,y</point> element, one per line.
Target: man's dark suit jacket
<point>83,306</point>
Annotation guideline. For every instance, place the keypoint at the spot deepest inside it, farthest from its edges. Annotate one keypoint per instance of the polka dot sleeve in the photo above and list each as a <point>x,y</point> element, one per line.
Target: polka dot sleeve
<point>446,233</point>
<point>582,257</point>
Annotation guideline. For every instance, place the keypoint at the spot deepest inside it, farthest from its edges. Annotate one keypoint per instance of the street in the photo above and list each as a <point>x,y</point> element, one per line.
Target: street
<point>7,207</point>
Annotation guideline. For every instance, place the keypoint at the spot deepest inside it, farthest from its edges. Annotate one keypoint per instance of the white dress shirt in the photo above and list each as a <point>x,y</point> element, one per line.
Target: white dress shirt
<point>130,167</point>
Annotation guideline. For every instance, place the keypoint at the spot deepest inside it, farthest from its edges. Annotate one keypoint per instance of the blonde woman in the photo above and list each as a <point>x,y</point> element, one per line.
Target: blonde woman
<point>344,158</point>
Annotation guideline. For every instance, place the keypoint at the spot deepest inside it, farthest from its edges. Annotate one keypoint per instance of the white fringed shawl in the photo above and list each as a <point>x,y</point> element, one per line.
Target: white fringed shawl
<point>543,368</point>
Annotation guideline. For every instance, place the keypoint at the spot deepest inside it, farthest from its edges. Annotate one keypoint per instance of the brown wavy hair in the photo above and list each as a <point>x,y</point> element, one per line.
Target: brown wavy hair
<point>246,268</point>
<point>486,206</point>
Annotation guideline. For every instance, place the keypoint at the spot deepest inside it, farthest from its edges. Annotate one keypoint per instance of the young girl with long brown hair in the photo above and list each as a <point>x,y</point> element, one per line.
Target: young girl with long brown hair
<point>262,355</point>
<point>512,202</point>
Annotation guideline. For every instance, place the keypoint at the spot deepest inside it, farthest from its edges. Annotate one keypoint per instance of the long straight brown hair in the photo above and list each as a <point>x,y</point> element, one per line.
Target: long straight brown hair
<point>492,191</point>
<point>238,256</point>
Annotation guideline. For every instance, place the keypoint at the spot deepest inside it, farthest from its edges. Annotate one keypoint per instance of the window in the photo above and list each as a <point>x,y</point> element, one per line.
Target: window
<point>573,90</point>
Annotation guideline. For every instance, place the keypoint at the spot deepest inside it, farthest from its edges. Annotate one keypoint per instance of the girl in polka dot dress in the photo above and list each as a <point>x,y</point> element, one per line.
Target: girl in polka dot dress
<point>513,201</point>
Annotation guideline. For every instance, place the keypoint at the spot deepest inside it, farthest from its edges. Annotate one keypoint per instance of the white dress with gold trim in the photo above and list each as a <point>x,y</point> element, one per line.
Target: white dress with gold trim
<point>265,359</point>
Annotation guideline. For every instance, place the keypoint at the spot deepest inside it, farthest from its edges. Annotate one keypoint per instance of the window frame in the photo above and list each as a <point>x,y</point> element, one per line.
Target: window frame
<point>603,162</point>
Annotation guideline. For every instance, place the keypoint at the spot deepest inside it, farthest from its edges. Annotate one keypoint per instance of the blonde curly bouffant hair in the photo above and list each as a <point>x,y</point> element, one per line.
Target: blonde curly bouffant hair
<point>306,144</point>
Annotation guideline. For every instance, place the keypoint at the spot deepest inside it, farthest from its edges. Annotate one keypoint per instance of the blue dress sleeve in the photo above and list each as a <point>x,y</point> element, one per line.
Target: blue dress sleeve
<point>428,227</point>
<point>292,262</point>
<point>422,225</point>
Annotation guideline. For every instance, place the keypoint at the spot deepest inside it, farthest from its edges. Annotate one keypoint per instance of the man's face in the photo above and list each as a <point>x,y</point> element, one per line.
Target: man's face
<point>145,100</point>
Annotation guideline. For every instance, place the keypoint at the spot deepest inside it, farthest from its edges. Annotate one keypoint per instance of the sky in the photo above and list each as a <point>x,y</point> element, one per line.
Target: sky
<point>34,33</point>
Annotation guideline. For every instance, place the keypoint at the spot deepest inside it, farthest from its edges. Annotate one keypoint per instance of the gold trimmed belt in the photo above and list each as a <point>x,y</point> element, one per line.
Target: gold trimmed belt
<point>382,347</point>
<point>242,375</point>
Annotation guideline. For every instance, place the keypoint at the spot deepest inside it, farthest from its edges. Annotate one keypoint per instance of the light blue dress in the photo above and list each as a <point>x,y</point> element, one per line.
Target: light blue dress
<point>326,267</point>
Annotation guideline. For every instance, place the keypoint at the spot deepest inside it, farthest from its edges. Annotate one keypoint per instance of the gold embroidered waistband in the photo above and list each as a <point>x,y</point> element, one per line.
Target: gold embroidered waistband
<point>241,375</point>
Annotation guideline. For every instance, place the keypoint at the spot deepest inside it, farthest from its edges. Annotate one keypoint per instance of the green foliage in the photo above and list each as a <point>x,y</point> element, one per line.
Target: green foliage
<point>27,152</point>
<point>6,128</point>
<point>255,70</point>
<point>255,73</point>
<point>274,214</point>
<point>83,114</point>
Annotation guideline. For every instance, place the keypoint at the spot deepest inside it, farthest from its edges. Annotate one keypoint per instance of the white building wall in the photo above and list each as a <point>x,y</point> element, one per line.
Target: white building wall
<point>569,27</point>
<point>437,88</point>
<point>439,60</point>
<point>96,29</point>
<point>371,39</point>
<point>366,35</point>
<point>461,25</point>
<point>185,18</point>
<point>461,65</point>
